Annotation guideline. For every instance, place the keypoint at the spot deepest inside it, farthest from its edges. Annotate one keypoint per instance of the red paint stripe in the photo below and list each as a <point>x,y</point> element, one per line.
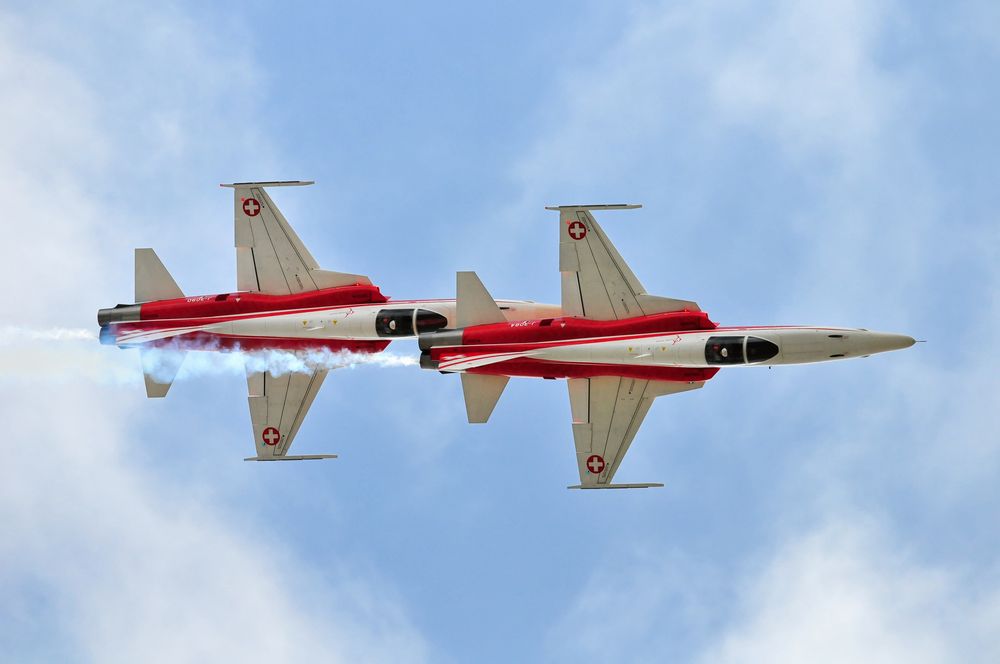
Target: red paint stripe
<point>203,341</point>
<point>529,368</point>
<point>472,350</point>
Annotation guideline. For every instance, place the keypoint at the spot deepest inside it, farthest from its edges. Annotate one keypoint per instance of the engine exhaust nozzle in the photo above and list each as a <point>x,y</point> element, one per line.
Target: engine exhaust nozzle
<point>427,363</point>
<point>122,313</point>
<point>439,338</point>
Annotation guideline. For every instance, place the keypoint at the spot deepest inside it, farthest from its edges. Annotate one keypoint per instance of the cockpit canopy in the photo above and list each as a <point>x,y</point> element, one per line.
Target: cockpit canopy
<point>403,322</point>
<point>724,350</point>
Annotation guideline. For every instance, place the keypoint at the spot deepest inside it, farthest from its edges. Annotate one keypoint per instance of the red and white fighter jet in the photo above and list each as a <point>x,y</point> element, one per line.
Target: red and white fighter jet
<point>283,301</point>
<point>619,347</point>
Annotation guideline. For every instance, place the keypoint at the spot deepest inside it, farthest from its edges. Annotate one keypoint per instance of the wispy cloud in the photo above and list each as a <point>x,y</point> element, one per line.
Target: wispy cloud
<point>137,568</point>
<point>846,592</point>
<point>103,557</point>
<point>856,232</point>
<point>843,590</point>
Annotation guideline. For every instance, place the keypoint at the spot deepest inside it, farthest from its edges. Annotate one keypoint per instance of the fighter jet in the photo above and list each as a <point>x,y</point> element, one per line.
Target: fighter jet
<point>617,346</point>
<point>282,301</point>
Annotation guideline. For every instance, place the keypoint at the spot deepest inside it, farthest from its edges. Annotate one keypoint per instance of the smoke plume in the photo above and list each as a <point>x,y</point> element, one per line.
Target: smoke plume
<point>29,354</point>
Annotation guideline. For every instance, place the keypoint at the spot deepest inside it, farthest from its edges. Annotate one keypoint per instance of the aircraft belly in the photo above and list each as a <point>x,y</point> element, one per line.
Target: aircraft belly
<point>680,351</point>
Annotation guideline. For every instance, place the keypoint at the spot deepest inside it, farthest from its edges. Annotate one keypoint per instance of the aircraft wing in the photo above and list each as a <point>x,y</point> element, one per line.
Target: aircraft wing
<point>607,413</point>
<point>597,283</point>
<point>277,407</point>
<point>270,257</point>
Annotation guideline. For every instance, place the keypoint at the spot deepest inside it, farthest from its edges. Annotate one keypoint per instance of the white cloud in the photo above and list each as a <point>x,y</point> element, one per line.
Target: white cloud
<point>871,241</point>
<point>143,569</point>
<point>846,593</point>
<point>816,89</point>
<point>101,556</point>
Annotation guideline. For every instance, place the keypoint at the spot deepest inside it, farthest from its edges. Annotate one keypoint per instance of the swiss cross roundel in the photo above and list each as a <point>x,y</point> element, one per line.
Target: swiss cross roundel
<point>270,436</point>
<point>577,230</point>
<point>251,207</point>
<point>595,463</point>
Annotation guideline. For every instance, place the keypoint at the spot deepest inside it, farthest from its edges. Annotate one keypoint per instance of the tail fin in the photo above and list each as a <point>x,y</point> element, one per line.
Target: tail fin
<point>475,306</point>
<point>152,281</point>
<point>481,395</point>
<point>473,303</point>
<point>159,368</point>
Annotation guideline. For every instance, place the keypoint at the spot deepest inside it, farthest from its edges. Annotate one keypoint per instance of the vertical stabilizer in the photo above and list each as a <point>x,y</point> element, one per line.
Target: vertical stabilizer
<point>473,303</point>
<point>152,281</point>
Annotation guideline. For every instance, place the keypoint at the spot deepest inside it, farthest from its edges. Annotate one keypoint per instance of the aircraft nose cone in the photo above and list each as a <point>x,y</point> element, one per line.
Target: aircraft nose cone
<point>903,341</point>
<point>881,342</point>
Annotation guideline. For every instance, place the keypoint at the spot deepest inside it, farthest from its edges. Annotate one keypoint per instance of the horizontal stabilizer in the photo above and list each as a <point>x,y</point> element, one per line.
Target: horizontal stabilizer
<point>159,368</point>
<point>481,395</point>
<point>473,303</point>
<point>645,485</point>
<point>293,457</point>
<point>152,281</point>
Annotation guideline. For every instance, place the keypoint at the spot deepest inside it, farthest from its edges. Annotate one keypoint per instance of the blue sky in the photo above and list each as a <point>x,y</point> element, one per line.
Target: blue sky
<point>828,163</point>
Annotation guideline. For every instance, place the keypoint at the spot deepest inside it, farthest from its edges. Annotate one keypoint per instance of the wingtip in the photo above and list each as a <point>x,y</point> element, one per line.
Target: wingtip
<point>596,206</point>
<point>271,183</point>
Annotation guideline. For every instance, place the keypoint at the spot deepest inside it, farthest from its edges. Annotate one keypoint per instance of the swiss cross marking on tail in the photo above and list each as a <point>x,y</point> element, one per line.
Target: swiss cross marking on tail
<point>251,207</point>
<point>577,230</point>
<point>270,436</point>
<point>595,463</point>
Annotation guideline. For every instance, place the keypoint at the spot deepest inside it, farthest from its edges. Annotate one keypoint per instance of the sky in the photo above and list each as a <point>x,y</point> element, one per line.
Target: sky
<point>799,163</point>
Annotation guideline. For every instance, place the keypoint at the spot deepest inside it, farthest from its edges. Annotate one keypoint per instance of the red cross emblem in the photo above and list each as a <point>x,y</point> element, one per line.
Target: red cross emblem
<point>595,463</point>
<point>270,436</point>
<point>577,230</point>
<point>251,207</point>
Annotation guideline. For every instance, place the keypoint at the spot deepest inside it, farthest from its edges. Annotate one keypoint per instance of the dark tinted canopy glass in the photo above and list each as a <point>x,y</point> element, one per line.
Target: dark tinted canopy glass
<point>428,321</point>
<point>760,350</point>
<point>394,323</point>
<point>724,350</point>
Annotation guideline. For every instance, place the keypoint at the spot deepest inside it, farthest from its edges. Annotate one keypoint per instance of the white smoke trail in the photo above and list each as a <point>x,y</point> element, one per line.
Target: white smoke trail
<point>162,362</point>
<point>29,354</point>
<point>13,334</point>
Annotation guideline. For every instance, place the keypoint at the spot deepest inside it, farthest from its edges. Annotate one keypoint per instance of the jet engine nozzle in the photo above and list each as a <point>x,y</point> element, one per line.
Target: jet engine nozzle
<point>121,313</point>
<point>107,336</point>
<point>426,362</point>
<point>439,338</point>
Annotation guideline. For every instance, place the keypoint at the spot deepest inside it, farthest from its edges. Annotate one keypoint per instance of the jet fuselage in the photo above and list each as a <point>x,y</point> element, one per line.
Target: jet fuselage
<point>677,346</point>
<point>352,318</point>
